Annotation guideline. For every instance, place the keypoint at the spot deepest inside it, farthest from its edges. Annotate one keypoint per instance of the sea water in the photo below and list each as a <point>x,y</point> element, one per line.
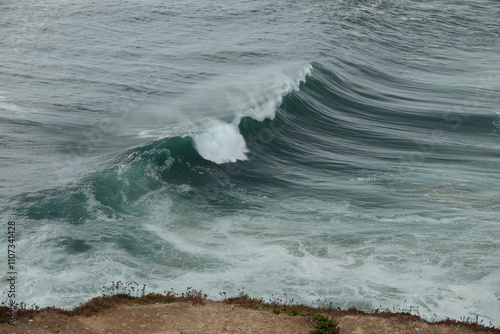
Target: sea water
<point>343,151</point>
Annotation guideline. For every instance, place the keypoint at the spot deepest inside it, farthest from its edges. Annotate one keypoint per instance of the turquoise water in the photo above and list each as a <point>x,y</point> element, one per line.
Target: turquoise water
<point>345,151</point>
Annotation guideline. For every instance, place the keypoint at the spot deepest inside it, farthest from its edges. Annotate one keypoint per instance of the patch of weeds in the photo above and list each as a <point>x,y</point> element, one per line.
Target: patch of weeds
<point>242,296</point>
<point>472,323</point>
<point>243,299</point>
<point>324,325</point>
<point>277,301</point>
<point>326,304</point>
<point>21,309</point>
<point>119,288</point>
<point>151,298</point>
<point>192,295</point>
<point>97,304</point>
<point>290,312</point>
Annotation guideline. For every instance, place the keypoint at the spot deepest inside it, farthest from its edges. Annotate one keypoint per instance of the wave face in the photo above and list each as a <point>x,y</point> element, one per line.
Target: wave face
<point>334,151</point>
<point>256,97</point>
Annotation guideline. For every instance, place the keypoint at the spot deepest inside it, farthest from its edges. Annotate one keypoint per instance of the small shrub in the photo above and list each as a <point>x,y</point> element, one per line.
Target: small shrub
<point>324,325</point>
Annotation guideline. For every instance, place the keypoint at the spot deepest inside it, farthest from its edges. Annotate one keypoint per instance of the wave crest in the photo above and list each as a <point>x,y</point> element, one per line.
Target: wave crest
<point>256,96</point>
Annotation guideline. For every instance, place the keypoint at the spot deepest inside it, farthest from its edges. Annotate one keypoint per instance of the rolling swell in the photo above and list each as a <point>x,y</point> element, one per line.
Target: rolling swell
<point>332,125</point>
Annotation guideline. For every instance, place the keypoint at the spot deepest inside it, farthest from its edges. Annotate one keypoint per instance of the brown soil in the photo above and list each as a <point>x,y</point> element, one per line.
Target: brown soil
<point>186,317</point>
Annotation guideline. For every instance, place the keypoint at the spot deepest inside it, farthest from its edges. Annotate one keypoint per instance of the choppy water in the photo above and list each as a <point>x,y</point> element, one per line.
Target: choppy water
<point>338,150</point>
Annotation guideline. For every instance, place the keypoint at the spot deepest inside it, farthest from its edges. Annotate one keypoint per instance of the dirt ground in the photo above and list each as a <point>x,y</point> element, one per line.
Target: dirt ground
<point>213,317</point>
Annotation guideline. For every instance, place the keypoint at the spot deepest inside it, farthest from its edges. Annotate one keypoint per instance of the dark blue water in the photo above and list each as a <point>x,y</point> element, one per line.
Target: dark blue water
<point>345,151</point>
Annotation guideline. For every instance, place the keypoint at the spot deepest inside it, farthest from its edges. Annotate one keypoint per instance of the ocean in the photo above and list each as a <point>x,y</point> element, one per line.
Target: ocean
<point>342,151</point>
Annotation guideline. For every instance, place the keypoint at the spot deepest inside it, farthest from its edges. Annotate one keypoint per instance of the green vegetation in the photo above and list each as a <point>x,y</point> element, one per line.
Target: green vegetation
<point>324,325</point>
<point>290,312</point>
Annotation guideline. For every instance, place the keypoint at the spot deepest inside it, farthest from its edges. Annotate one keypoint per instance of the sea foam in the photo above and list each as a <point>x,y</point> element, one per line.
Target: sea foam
<point>221,143</point>
<point>256,96</point>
